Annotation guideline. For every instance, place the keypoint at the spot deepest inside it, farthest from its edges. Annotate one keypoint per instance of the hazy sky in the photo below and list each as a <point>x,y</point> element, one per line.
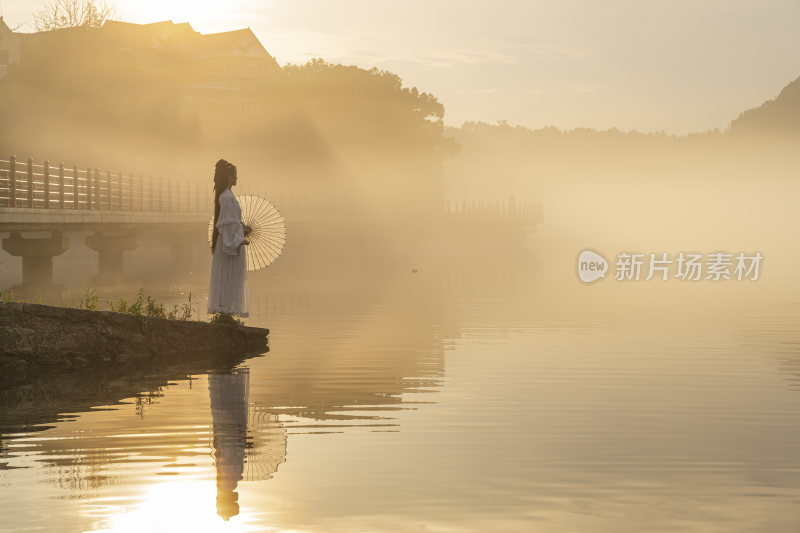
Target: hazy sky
<point>677,65</point>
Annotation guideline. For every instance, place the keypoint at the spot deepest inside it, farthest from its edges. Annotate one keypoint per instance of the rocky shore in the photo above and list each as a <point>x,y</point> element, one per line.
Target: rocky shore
<point>37,339</point>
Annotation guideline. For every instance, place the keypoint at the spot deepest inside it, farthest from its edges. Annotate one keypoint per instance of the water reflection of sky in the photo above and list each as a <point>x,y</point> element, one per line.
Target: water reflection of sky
<point>501,404</point>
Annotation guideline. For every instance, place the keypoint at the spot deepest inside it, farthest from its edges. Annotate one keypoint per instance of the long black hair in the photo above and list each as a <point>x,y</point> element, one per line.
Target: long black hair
<point>222,174</point>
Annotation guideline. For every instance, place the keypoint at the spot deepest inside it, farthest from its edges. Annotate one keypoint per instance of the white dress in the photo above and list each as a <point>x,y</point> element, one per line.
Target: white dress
<point>227,292</point>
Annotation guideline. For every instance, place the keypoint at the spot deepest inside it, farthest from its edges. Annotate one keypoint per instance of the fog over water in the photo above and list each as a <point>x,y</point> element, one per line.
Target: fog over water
<point>435,362</point>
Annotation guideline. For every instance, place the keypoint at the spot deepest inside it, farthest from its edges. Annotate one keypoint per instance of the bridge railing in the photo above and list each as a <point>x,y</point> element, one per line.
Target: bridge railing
<point>28,184</point>
<point>56,186</point>
<point>528,213</point>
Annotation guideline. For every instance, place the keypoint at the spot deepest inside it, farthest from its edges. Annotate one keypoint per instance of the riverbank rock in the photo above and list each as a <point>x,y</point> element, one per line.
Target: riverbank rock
<point>42,338</point>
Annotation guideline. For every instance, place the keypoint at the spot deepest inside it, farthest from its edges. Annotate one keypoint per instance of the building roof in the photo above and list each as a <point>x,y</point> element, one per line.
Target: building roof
<point>239,42</point>
<point>7,36</point>
<point>4,29</point>
<point>167,34</point>
<point>155,35</point>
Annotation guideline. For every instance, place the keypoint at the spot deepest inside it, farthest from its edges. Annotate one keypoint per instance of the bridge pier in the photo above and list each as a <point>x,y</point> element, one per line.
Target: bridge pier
<point>37,259</point>
<point>110,248</point>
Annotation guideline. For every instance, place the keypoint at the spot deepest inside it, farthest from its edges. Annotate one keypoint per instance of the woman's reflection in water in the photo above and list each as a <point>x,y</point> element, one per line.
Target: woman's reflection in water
<point>229,404</point>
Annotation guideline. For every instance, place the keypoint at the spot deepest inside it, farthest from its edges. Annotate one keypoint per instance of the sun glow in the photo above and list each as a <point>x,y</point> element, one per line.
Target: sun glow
<point>178,506</point>
<point>203,15</point>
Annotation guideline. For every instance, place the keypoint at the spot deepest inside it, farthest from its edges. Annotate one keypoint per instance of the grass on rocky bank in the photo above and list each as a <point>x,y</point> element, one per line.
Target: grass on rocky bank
<point>142,305</point>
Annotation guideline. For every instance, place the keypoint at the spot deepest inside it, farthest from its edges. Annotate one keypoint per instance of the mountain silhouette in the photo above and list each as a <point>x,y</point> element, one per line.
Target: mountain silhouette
<point>780,116</point>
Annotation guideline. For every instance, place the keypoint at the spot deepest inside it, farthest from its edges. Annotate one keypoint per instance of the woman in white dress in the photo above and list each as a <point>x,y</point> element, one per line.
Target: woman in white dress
<point>227,291</point>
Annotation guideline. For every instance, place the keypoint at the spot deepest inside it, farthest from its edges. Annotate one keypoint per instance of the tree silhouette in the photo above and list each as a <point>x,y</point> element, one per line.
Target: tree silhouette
<point>59,14</point>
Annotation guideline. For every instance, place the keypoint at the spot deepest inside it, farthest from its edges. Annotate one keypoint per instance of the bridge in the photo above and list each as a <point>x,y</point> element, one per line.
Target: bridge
<point>40,202</point>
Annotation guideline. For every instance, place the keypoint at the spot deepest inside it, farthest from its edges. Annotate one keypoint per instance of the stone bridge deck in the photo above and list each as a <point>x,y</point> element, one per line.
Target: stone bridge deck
<point>17,219</point>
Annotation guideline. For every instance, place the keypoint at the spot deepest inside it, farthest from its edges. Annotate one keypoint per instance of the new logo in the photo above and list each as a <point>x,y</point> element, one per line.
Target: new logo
<point>591,266</point>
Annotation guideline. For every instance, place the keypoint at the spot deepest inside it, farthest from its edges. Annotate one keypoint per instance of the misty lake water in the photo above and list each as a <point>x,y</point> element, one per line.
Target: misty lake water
<point>497,397</point>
